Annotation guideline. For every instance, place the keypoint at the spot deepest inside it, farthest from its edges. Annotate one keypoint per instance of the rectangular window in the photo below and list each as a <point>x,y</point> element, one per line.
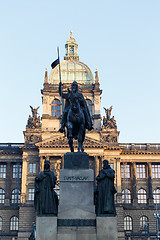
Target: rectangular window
<point>31,194</point>
<point>17,170</point>
<point>125,171</point>
<point>141,171</point>
<point>2,170</point>
<point>155,170</point>
<point>32,168</point>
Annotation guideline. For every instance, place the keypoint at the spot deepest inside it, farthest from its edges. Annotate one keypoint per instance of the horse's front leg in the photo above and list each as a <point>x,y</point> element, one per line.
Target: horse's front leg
<point>70,136</point>
<point>81,138</point>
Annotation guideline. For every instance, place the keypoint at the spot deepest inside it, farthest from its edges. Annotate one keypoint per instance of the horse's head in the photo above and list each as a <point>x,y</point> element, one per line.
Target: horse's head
<point>74,103</point>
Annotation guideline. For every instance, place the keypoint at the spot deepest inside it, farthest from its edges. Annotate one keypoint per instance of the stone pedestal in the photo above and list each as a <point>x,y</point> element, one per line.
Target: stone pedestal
<point>76,212</point>
<point>46,227</point>
<point>76,194</point>
<point>107,228</point>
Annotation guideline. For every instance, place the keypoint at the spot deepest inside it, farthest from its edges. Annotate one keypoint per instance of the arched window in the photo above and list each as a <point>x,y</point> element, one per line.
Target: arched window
<point>14,223</point>
<point>144,222</point>
<point>15,196</point>
<point>127,223</point>
<point>55,108</point>
<point>57,190</point>
<point>89,104</point>
<point>126,196</point>
<point>156,195</point>
<point>142,196</point>
<point>0,224</point>
<point>2,195</point>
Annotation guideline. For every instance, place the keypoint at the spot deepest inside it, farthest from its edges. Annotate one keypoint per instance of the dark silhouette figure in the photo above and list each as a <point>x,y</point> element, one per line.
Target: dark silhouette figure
<point>34,111</point>
<point>75,123</point>
<point>46,200</point>
<point>105,190</point>
<point>76,116</point>
<point>108,112</point>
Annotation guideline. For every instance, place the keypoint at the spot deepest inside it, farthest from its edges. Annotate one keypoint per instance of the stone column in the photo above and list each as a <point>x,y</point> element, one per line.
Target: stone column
<point>101,162</point>
<point>96,159</point>
<point>135,199</point>
<point>62,160</point>
<point>118,180</point>
<point>150,193</point>
<point>41,163</point>
<point>57,166</point>
<point>24,180</point>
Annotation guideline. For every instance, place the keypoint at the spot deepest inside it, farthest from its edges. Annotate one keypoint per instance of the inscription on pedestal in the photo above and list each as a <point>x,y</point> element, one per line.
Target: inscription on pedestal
<point>76,175</point>
<point>77,178</point>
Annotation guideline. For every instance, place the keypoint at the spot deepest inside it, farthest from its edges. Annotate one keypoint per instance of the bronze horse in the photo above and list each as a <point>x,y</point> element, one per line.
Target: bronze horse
<point>75,123</point>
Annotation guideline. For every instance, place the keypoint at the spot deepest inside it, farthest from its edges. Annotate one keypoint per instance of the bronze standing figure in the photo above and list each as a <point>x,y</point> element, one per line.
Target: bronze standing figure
<point>106,190</point>
<point>46,200</point>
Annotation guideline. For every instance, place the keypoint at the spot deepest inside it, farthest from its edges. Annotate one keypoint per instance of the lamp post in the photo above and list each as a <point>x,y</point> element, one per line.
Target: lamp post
<point>156,215</point>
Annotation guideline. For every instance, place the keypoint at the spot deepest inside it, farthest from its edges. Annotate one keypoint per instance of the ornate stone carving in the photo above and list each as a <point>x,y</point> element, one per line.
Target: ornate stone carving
<point>108,122</point>
<point>34,138</point>
<point>55,142</point>
<point>34,121</point>
<point>110,138</point>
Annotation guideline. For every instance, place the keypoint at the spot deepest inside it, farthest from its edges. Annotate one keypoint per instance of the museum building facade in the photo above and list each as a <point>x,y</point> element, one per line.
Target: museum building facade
<point>137,166</point>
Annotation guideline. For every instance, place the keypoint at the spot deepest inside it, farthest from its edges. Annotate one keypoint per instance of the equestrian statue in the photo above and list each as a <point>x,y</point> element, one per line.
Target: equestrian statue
<point>76,117</point>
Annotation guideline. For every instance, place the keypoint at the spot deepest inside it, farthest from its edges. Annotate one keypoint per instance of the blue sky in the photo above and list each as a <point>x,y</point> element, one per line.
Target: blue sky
<point>120,37</point>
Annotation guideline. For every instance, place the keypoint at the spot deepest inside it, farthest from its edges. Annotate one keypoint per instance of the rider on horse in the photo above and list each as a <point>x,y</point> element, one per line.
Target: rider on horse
<point>82,102</point>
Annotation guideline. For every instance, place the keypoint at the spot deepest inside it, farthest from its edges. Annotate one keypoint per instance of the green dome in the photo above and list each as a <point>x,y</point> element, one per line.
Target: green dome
<point>72,70</point>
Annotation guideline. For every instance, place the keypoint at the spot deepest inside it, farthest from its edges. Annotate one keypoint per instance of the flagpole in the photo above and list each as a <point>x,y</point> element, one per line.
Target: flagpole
<point>60,78</point>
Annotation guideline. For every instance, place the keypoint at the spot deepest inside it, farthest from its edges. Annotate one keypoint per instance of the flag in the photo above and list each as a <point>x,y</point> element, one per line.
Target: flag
<point>55,63</point>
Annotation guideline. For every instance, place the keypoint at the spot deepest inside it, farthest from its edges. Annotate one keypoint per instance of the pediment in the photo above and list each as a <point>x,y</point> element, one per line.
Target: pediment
<point>62,142</point>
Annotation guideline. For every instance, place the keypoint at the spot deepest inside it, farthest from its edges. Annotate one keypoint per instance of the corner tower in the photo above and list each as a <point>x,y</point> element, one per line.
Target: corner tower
<point>71,70</point>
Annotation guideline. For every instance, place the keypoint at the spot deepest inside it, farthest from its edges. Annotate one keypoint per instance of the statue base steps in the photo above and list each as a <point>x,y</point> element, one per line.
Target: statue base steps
<point>46,227</point>
<point>107,228</point>
<point>76,233</point>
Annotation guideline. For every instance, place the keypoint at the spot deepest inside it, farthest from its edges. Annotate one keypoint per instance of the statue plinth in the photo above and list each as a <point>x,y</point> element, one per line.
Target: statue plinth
<point>76,188</point>
<point>76,160</point>
<point>107,228</point>
<point>46,227</point>
<point>76,211</point>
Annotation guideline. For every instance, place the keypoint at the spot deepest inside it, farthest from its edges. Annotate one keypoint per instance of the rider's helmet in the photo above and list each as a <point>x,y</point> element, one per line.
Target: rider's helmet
<point>75,86</point>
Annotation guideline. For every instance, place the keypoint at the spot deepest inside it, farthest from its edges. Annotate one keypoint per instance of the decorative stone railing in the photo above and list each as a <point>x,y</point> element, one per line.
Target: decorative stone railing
<point>141,146</point>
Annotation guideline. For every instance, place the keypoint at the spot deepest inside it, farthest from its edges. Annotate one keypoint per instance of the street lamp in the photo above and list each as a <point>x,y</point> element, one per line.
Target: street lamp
<point>156,215</point>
